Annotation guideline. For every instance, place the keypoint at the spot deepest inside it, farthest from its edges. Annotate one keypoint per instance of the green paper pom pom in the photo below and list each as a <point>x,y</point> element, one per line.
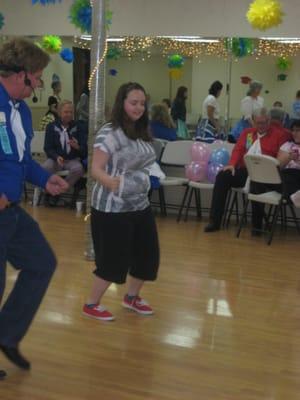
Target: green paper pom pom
<point>51,44</point>
<point>284,63</point>
<point>240,47</point>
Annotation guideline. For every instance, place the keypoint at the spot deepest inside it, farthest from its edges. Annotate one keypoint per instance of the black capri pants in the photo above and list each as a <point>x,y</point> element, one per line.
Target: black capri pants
<point>125,243</point>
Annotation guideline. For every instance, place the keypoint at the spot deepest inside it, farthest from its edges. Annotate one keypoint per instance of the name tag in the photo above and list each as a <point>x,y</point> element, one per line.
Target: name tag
<point>4,139</point>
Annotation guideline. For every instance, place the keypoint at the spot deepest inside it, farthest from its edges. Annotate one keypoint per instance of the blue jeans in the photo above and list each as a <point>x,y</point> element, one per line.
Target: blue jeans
<point>24,246</point>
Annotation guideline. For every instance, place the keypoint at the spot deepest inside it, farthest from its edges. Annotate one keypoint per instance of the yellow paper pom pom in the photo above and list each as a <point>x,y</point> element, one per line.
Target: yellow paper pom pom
<point>265,14</point>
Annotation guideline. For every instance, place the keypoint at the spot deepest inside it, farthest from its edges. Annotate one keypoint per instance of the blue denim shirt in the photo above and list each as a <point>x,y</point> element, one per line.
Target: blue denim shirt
<point>13,173</point>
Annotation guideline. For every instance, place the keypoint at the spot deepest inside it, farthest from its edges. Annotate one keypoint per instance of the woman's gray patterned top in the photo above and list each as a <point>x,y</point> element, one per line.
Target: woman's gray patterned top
<point>130,160</point>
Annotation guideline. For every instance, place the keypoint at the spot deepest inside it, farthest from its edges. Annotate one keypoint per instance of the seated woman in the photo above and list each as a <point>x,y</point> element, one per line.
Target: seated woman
<point>289,158</point>
<point>161,124</point>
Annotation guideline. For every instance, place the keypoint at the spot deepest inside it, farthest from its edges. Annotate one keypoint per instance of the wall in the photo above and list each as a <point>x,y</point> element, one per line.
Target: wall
<point>197,77</point>
<point>151,73</point>
<point>144,17</point>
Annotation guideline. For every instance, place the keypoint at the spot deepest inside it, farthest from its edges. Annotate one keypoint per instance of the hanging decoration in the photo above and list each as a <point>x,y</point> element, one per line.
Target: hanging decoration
<point>67,55</point>
<point>81,15</point>
<point>175,61</point>
<point>113,53</point>
<point>108,18</point>
<point>240,47</point>
<point>281,77</point>
<point>51,44</point>
<point>45,2</point>
<point>264,14</point>
<point>113,72</point>
<point>135,45</point>
<point>1,21</point>
<point>175,73</point>
<point>283,63</point>
<point>175,64</point>
<point>245,80</point>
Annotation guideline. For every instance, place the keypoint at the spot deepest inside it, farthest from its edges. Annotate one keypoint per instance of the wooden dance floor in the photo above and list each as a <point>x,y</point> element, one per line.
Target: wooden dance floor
<point>226,323</point>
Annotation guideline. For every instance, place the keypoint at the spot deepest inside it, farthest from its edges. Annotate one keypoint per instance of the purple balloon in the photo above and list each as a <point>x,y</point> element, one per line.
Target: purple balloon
<point>212,171</point>
<point>196,171</point>
<point>200,152</point>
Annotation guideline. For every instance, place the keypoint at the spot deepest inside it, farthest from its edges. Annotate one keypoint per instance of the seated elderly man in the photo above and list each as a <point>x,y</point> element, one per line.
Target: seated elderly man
<point>66,144</point>
<point>263,138</point>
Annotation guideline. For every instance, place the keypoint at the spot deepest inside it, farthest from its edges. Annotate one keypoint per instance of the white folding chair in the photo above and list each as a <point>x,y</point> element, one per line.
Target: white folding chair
<point>176,155</point>
<point>265,169</point>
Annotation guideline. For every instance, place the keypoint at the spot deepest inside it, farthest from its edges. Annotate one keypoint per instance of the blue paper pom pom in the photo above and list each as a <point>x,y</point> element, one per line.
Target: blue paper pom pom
<point>45,2</point>
<point>67,55</point>
<point>113,72</point>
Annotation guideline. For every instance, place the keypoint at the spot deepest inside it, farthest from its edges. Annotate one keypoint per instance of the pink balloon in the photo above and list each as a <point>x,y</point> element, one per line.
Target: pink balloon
<point>196,171</point>
<point>212,171</point>
<point>200,152</point>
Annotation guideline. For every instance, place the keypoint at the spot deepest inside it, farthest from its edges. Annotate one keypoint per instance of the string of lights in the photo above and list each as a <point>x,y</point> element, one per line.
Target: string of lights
<point>146,46</point>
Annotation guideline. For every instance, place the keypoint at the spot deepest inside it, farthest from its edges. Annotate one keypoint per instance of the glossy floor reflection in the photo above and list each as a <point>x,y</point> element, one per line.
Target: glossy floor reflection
<point>226,323</point>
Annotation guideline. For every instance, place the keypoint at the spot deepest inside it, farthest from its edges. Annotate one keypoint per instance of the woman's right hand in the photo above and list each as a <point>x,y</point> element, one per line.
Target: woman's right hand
<point>229,168</point>
<point>113,183</point>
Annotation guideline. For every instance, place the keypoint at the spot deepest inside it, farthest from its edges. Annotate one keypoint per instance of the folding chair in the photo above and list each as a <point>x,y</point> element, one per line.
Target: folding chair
<point>265,169</point>
<point>176,155</point>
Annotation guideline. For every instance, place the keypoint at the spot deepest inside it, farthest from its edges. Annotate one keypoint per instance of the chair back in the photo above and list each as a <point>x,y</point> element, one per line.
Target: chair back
<point>177,153</point>
<point>158,146</point>
<point>37,143</point>
<point>263,169</point>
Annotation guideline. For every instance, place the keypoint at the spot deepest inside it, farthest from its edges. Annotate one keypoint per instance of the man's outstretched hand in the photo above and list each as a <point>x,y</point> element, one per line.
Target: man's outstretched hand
<point>56,185</point>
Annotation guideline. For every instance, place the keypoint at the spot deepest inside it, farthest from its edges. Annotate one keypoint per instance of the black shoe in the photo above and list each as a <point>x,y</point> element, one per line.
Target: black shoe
<point>14,355</point>
<point>2,374</point>
<point>211,228</point>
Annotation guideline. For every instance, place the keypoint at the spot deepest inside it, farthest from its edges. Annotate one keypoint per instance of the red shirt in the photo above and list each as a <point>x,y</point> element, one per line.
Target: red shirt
<point>270,143</point>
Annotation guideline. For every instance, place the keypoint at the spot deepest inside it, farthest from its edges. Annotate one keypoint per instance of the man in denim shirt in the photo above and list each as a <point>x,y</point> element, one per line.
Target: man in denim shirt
<point>22,243</point>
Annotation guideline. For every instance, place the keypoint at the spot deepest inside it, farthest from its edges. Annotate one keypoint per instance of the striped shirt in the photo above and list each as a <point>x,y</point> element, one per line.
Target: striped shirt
<point>130,160</point>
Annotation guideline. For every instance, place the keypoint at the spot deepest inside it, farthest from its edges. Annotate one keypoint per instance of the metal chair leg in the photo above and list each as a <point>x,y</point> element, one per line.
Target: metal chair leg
<point>294,217</point>
<point>162,201</point>
<point>188,204</point>
<point>183,203</point>
<point>243,218</point>
<point>273,225</point>
<point>198,203</point>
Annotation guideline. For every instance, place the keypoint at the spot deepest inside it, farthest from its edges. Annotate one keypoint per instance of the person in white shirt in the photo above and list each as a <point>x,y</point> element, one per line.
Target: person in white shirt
<point>209,126</point>
<point>249,105</point>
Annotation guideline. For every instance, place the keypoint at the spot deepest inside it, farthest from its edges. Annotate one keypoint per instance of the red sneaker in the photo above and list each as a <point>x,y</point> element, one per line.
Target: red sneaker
<point>98,312</point>
<point>137,304</point>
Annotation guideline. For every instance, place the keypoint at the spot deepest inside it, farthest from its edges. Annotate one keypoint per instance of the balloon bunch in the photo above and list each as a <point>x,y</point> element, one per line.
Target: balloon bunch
<point>218,159</point>
<point>206,164</point>
<point>175,64</point>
